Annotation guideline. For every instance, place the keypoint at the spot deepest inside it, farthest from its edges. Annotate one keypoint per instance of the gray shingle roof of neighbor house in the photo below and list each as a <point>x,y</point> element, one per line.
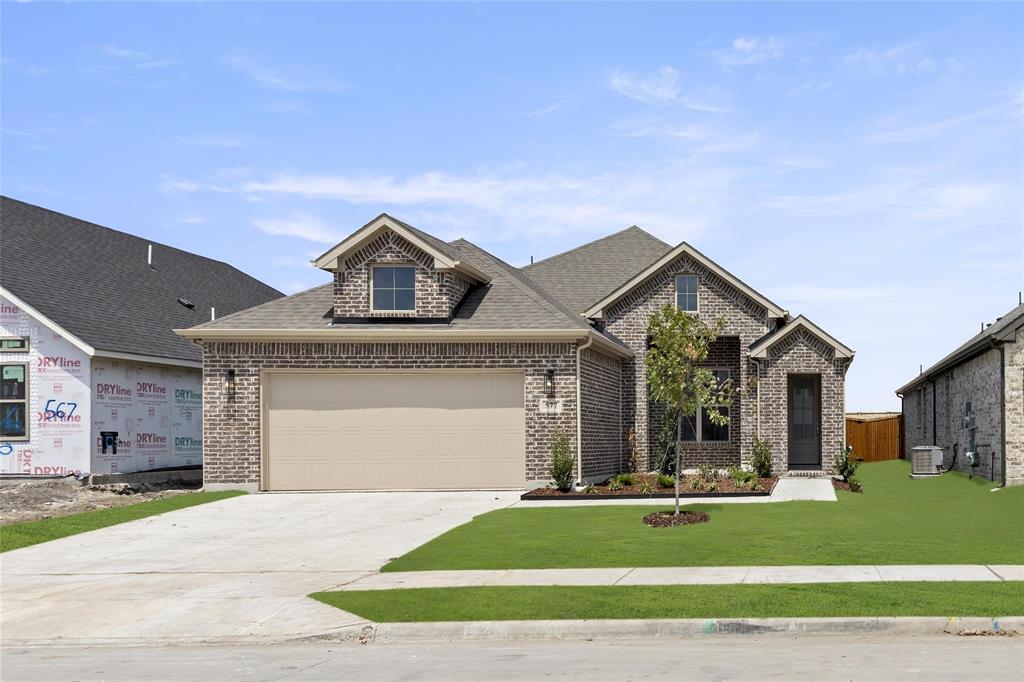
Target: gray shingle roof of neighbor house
<point>582,276</point>
<point>1002,329</point>
<point>95,282</point>
<point>509,301</point>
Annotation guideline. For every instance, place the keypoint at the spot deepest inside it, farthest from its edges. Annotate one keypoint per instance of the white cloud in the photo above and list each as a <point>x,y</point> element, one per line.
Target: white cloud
<point>138,58</point>
<point>290,80</point>
<point>924,130</point>
<point>901,59</point>
<point>192,219</point>
<point>658,87</point>
<point>301,225</point>
<point>746,51</point>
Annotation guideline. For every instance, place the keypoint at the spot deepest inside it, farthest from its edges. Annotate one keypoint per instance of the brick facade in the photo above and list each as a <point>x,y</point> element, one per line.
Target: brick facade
<point>946,397</point>
<point>231,426</point>
<point>745,321</point>
<point>601,414</point>
<point>438,292</point>
<point>802,353</point>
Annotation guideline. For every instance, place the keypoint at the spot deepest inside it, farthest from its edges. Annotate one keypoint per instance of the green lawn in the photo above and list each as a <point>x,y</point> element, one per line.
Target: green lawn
<point>19,535</point>
<point>946,520</point>
<point>993,600</point>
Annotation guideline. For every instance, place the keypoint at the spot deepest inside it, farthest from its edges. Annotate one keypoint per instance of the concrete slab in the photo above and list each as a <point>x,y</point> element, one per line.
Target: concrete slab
<point>694,575</point>
<point>936,572</point>
<point>813,489</point>
<point>1008,572</point>
<point>234,569</point>
<point>811,574</point>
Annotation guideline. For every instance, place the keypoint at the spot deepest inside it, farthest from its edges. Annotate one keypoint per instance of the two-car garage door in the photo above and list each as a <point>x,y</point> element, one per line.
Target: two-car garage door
<point>403,431</point>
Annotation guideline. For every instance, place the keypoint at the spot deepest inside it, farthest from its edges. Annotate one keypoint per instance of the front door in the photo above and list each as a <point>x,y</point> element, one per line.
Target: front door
<point>804,420</point>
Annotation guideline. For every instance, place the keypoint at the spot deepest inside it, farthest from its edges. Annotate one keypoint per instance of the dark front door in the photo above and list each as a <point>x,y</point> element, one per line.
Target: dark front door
<point>804,420</point>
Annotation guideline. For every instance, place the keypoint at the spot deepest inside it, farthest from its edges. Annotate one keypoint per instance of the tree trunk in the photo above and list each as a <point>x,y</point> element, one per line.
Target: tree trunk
<point>679,450</point>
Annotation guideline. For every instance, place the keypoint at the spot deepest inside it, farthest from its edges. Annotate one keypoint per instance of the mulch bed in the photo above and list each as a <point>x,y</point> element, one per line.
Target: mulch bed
<point>843,485</point>
<point>667,519</point>
<point>725,489</point>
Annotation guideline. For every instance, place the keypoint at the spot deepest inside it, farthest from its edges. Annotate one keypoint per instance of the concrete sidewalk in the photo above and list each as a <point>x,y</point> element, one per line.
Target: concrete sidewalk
<point>694,575</point>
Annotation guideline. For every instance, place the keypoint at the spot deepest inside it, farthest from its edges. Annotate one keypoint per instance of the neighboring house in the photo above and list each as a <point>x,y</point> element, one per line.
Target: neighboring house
<point>427,364</point>
<point>973,401</point>
<point>87,347</point>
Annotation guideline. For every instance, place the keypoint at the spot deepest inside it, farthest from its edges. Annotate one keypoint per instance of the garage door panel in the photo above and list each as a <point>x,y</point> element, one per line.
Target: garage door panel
<point>394,431</point>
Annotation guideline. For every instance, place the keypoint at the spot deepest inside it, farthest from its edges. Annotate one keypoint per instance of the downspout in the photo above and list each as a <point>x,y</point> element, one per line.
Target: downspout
<point>757,390</point>
<point>579,411</point>
<point>934,411</point>
<point>1002,412</point>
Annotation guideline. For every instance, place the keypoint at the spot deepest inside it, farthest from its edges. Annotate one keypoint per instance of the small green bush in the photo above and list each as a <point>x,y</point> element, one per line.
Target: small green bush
<point>846,466</point>
<point>666,481</point>
<point>561,462</point>
<point>711,487</point>
<point>761,458</point>
<point>855,485</point>
<point>614,483</point>
<point>645,487</point>
<point>697,485</point>
<point>741,478</point>
<point>707,473</point>
<point>626,479</point>
<point>590,490</point>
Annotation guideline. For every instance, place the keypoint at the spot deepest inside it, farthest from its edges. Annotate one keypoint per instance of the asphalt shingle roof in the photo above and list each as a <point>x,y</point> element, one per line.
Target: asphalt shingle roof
<point>583,276</point>
<point>95,282</point>
<point>509,301</point>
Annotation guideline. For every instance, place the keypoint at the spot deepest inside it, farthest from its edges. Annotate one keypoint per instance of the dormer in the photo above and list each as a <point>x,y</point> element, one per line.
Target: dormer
<point>389,269</point>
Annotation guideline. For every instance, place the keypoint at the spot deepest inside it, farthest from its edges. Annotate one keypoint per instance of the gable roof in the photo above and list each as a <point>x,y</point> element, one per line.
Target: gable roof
<point>509,306</point>
<point>581,276</point>
<point>1001,330</point>
<point>761,346</point>
<point>597,309</point>
<point>95,283</point>
<point>445,257</point>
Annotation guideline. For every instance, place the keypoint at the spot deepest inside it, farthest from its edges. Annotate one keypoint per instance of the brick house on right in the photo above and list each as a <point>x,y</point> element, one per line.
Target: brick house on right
<point>973,401</point>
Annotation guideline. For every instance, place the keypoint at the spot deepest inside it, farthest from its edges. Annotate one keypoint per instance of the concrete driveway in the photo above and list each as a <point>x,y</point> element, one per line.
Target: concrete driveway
<point>234,570</point>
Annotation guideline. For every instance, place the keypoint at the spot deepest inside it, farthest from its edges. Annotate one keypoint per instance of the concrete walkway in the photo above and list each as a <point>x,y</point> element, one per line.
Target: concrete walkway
<point>786,490</point>
<point>694,575</point>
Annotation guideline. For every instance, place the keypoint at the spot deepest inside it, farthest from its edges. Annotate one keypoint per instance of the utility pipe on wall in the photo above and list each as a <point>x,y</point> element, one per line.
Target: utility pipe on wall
<point>579,412</point>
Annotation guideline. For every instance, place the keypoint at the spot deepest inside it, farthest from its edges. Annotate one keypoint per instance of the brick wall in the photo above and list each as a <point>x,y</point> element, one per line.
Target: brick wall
<point>802,353</point>
<point>745,319</point>
<point>231,427</point>
<point>600,414</point>
<point>437,292</point>
<point>977,381</point>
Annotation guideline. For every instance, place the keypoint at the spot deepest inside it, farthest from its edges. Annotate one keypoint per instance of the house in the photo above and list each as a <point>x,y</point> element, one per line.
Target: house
<point>87,347</point>
<point>972,401</point>
<point>427,364</point>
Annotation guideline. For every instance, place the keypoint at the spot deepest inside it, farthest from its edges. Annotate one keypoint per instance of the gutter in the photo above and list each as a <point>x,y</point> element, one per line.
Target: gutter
<point>579,411</point>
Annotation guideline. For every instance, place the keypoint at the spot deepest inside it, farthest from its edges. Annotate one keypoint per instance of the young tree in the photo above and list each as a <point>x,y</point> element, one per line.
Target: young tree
<point>679,345</point>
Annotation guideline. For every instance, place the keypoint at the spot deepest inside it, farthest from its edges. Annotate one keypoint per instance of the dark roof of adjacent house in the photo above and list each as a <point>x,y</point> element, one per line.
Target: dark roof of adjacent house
<point>95,282</point>
<point>1003,329</point>
<point>583,276</point>
<point>509,301</point>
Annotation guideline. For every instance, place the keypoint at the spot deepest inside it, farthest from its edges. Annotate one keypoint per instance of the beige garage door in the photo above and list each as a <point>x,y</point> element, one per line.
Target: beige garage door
<point>423,430</point>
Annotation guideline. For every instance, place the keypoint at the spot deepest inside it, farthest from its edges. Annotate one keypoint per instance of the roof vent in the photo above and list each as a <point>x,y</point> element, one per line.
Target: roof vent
<point>187,303</point>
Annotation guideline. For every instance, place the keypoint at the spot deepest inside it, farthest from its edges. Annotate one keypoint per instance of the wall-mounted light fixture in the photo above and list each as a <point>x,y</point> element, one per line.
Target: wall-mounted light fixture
<point>229,383</point>
<point>549,383</point>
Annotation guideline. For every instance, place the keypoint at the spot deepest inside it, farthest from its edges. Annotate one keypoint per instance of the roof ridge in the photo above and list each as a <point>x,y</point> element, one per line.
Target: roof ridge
<point>212,323</point>
<point>126,234</point>
<point>530,287</point>
<point>596,241</point>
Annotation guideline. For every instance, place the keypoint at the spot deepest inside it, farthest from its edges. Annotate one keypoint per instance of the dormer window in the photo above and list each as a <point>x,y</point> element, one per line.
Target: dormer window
<point>686,293</point>
<point>393,288</point>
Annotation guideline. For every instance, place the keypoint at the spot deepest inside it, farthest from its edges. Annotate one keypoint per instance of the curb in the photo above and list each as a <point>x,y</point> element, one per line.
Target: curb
<point>629,629</point>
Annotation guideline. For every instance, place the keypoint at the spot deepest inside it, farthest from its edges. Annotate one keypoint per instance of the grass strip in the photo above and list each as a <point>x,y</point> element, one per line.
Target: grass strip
<point>18,535</point>
<point>988,599</point>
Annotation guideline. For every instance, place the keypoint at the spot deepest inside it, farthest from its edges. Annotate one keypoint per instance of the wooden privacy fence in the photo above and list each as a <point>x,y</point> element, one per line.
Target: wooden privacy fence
<point>876,437</point>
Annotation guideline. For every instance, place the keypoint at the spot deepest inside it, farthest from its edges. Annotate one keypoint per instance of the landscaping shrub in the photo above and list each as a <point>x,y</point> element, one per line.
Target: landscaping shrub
<point>855,485</point>
<point>590,490</point>
<point>741,478</point>
<point>846,466</point>
<point>697,485</point>
<point>561,462</point>
<point>761,458</point>
<point>626,479</point>
<point>665,481</point>
<point>614,483</point>
<point>707,473</point>
<point>645,488</point>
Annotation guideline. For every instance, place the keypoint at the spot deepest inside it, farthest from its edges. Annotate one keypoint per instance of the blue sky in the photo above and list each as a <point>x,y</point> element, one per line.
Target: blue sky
<point>859,164</point>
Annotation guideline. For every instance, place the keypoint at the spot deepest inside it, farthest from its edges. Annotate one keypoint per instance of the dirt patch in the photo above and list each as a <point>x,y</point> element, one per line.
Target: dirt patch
<point>33,500</point>
<point>843,485</point>
<point>666,519</point>
<point>646,485</point>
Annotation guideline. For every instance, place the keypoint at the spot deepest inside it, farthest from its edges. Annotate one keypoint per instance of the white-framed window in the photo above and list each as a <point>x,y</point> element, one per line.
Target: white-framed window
<point>13,344</point>
<point>686,292</point>
<point>699,428</point>
<point>14,401</point>
<point>393,288</point>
